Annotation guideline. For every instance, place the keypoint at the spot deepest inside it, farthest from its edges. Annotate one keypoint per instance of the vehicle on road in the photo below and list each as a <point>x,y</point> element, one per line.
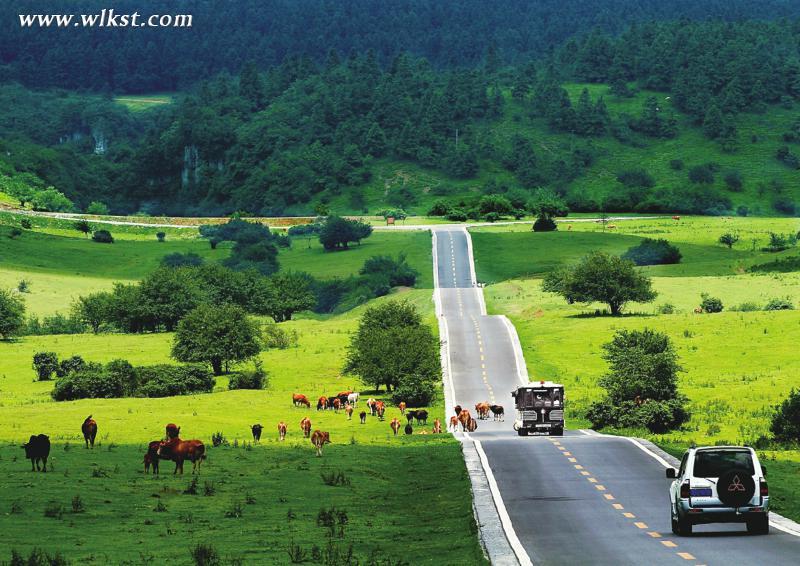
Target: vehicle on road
<point>539,409</point>
<point>719,484</point>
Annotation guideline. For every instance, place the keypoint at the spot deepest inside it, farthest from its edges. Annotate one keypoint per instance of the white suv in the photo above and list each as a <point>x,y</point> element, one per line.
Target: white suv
<point>719,484</point>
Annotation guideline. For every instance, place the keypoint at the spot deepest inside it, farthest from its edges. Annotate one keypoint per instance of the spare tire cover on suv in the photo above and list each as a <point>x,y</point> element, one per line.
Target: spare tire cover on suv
<point>736,487</point>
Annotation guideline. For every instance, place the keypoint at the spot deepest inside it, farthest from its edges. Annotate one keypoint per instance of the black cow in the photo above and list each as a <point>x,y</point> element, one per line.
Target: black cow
<point>498,412</point>
<point>410,415</point>
<point>409,429</point>
<point>422,416</point>
<point>363,416</point>
<point>37,450</point>
<point>256,428</point>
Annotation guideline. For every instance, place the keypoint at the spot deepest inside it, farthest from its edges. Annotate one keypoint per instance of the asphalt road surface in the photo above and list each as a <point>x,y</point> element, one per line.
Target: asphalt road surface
<point>582,498</point>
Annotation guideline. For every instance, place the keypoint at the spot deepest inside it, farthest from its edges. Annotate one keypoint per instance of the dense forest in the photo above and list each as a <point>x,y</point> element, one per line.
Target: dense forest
<point>311,129</point>
<point>226,35</point>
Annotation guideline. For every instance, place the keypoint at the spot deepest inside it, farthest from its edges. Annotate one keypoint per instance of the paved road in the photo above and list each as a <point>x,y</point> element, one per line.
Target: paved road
<point>583,498</point>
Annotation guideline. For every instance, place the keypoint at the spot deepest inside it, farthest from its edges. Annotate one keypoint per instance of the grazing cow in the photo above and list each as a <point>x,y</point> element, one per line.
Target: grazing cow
<point>37,449</point>
<point>322,403</point>
<point>676,217</point>
<point>363,416</point>
<point>305,426</point>
<point>179,451</point>
<point>612,226</point>
<point>281,431</point>
<point>457,410</point>
<point>371,406</point>
<point>344,394</point>
<point>437,426</point>
<point>453,423</point>
<point>422,417</point>
<point>319,439</point>
<point>89,430</point>
<point>402,406</point>
<point>411,414</point>
<point>698,310</point>
<point>256,429</point>
<point>173,430</point>
<point>349,410</point>
<point>353,399</point>
<point>409,429</point>
<point>151,457</point>
<point>337,404</point>
<point>380,408</point>
<point>482,409</point>
<point>463,418</point>
<point>395,424</point>
<point>300,400</point>
<point>498,412</point>
<point>569,228</point>
<point>472,425</point>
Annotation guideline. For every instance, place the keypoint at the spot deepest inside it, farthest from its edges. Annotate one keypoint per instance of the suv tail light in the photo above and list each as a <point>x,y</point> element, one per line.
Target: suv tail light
<point>764,488</point>
<point>685,490</point>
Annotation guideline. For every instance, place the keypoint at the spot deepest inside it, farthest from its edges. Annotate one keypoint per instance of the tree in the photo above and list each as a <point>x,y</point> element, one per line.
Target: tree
<point>713,123</point>
<point>93,310</point>
<point>103,237</point>
<point>217,335</point>
<point>51,200</point>
<point>786,420</point>
<point>167,295</point>
<point>97,208</point>
<point>83,226</point>
<point>392,347</point>
<point>545,205</point>
<point>286,294</point>
<point>12,315</point>
<point>45,364</point>
<point>338,232</point>
<point>728,239</point>
<point>710,304</point>
<point>601,277</point>
<point>641,384</point>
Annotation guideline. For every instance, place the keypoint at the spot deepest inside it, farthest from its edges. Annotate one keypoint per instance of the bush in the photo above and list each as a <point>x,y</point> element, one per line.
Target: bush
<point>780,242</point>
<point>666,308</point>
<point>786,420</point>
<point>70,365</point>
<point>778,304</point>
<point>26,224</point>
<point>636,178</point>
<point>676,164</point>
<point>54,324</point>
<point>710,304</point>
<point>397,271</point>
<point>656,416</point>
<point>734,181</point>
<point>653,252</point>
<point>14,233</point>
<point>276,336</point>
<point>248,379</point>
<point>97,208</point>
<point>784,205</point>
<point>161,236</point>
<point>45,364</point>
<point>702,174</point>
<point>747,306</point>
<point>167,380</point>
<point>416,391</point>
<point>87,384</point>
<point>178,259</point>
<point>544,224</point>
<point>457,215</point>
<point>742,210</point>
<point>205,555</point>
<point>788,158</point>
<point>103,237</point>
<point>440,208</point>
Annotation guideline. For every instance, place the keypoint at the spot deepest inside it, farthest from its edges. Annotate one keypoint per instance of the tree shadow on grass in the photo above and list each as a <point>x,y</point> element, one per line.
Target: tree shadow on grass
<point>606,314</point>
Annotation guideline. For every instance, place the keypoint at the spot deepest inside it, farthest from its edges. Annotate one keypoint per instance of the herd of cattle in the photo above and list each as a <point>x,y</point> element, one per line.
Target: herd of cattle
<point>37,449</point>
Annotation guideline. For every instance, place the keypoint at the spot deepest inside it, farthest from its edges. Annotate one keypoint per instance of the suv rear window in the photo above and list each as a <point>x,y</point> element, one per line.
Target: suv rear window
<point>714,463</point>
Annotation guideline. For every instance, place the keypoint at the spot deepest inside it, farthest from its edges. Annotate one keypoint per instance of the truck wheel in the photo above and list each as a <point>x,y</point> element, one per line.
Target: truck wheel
<point>557,432</point>
<point>758,526</point>
<point>522,432</point>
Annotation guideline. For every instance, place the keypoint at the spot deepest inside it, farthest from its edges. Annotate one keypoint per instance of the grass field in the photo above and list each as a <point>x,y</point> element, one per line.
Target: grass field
<point>137,103</point>
<point>391,482</point>
<point>738,365</point>
<point>61,264</point>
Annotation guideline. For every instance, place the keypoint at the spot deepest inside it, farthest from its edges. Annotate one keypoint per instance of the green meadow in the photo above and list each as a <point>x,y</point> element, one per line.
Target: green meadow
<point>737,365</point>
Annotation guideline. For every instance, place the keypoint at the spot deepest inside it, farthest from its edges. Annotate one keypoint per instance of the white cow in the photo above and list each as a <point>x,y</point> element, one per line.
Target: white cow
<point>353,399</point>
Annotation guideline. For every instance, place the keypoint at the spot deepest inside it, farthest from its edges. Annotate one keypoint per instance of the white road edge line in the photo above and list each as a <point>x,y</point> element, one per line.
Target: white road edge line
<point>776,521</point>
<point>472,275</point>
<point>450,395</point>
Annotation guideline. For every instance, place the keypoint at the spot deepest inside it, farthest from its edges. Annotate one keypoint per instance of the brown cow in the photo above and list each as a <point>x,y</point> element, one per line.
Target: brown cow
<point>482,409</point>
<point>402,406</point>
<point>395,424</point>
<point>322,403</point>
<point>453,423</point>
<point>472,425</point>
<point>437,426</point>
<point>299,399</point>
<point>344,394</point>
<point>281,431</point>
<point>151,457</point>
<point>380,408</point>
<point>173,430</point>
<point>319,439</point>
<point>348,408</point>
<point>464,417</point>
<point>457,410</point>
<point>305,426</point>
<point>89,429</point>
<point>363,416</point>
<point>337,404</point>
<point>179,451</point>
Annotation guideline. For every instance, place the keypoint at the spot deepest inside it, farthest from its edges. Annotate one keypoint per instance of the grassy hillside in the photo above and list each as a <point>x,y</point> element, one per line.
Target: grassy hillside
<point>738,365</point>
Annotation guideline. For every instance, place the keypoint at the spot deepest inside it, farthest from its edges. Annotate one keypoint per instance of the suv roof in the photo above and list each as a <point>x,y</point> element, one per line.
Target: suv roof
<point>704,448</point>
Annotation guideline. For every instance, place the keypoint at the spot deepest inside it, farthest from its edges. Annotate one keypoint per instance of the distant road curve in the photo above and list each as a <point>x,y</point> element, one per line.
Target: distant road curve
<point>279,222</point>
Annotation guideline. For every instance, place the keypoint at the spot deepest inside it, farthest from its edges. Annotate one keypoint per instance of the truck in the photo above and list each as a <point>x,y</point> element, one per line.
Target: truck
<point>539,409</point>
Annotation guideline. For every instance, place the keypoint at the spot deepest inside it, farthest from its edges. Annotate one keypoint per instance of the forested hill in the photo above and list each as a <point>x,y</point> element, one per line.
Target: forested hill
<point>665,116</point>
<point>225,35</point>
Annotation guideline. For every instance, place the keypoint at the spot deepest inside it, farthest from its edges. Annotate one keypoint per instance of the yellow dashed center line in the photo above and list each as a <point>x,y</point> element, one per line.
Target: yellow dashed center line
<point>585,473</point>
<point>573,460</point>
<point>654,534</point>
<point>640,525</point>
<point>578,467</point>
<point>618,506</point>
<point>608,496</point>
<point>668,543</point>
<point>686,556</point>
<point>599,487</point>
<point>629,515</point>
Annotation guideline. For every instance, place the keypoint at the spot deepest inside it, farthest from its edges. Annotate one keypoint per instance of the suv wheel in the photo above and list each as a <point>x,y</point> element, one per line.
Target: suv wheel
<point>759,525</point>
<point>682,526</point>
